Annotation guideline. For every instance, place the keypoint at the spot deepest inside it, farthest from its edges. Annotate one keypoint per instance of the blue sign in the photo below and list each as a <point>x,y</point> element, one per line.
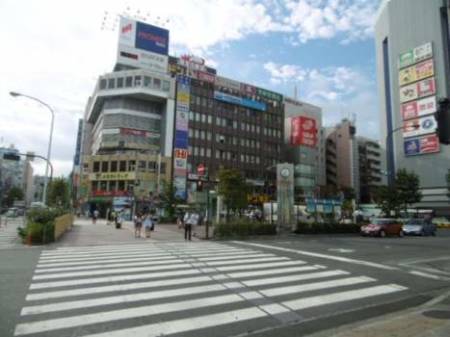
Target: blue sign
<point>248,103</point>
<point>152,38</point>
<point>412,147</point>
<point>181,139</point>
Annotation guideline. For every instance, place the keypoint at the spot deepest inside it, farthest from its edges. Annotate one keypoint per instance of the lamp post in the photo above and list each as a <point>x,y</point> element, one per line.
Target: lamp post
<point>17,94</point>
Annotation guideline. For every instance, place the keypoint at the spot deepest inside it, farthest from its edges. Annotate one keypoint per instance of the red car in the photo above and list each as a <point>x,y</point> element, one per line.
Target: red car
<point>382,227</point>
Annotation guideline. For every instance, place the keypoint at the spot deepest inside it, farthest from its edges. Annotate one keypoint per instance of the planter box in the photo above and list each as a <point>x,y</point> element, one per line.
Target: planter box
<point>62,224</point>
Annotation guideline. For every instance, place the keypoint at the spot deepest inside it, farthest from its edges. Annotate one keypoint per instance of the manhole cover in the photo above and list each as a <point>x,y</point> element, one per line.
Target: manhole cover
<point>438,314</point>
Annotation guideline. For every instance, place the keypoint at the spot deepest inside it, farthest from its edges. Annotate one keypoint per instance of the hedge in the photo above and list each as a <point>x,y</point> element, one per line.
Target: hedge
<point>326,228</point>
<point>242,228</point>
<point>40,226</point>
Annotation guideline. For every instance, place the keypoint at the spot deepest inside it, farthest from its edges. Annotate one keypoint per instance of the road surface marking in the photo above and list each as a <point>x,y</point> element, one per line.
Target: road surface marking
<point>186,324</point>
<point>118,260</point>
<point>235,257</point>
<point>245,261</point>
<point>274,271</point>
<point>315,301</point>
<point>323,256</point>
<point>135,297</point>
<point>419,273</point>
<point>121,314</point>
<point>261,265</point>
<point>291,278</point>
<point>315,286</point>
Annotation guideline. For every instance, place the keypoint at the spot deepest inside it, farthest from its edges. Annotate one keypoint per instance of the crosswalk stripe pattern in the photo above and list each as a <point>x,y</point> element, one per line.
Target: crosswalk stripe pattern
<point>159,289</point>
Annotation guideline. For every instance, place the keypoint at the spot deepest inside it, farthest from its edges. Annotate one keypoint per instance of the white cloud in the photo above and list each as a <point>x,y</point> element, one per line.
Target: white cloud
<point>340,91</point>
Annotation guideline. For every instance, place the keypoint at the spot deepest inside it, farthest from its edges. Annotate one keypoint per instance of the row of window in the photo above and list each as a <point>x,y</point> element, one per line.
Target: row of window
<point>272,132</point>
<point>126,166</point>
<point>134,81</point>
<point>199,151</point>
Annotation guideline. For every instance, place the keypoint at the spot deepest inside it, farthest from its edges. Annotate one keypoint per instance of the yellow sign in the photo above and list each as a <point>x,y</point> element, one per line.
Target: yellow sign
<point>407,75</point>
<point>183,97</point>
<point>113,176</point>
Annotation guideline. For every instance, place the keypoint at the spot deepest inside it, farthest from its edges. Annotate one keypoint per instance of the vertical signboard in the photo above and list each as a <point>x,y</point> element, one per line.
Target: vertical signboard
<point>303,131</point>
<point>180,152</point>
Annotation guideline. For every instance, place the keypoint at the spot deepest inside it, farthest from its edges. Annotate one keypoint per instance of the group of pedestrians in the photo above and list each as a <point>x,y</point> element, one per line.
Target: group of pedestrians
<point>146,221</point>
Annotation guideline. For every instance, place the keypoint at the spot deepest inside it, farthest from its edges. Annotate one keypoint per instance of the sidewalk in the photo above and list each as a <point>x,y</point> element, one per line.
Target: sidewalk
<point>431,319</point>
<point>84,233</point>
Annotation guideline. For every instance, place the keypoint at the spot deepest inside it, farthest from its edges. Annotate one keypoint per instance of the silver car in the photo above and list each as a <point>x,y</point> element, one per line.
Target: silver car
<point>419,227</point>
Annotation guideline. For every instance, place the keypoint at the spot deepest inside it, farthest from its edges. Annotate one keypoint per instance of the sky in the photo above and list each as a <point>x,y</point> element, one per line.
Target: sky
<point>55,51</point>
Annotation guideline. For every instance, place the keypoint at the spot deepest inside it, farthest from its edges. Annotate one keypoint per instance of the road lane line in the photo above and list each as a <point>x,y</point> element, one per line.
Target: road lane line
<point>274,271</point>
<point>118,260</point>
<point>261,265</point>
<point>245,261</point>
<point>323,256</point>
<point>419,273</point>
<point>315,301</point>
<point>122,314</point>
<point>240,256</point>
<point>135,297</point>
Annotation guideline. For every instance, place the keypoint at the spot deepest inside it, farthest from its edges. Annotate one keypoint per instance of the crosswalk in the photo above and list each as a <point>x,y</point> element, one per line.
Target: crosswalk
<point>8,234</point>
<point>185,289</point>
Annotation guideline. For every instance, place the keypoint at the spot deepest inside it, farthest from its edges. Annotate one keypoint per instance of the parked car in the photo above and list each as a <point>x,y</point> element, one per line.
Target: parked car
<point>419,227</point>
<point>382,227</point>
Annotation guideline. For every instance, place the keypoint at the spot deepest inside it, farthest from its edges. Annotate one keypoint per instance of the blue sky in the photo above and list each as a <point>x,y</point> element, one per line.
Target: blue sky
<point>57,49</point>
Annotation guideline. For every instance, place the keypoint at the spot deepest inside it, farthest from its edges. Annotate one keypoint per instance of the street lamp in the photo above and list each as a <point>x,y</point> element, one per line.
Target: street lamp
<point>17,94</point>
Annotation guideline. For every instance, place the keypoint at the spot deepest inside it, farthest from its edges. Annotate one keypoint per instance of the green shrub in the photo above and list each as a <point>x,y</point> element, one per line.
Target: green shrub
<point>326,228</point>
<point>243,228</point>
<point>40,225</point>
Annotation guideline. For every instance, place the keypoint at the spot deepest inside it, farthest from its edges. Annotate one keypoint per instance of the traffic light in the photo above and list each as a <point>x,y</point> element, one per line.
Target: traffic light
<point>443,121</point>
<point>11,156</point>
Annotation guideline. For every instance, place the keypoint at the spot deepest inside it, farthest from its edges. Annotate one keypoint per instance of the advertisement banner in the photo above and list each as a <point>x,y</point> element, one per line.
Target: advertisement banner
<point>406,59</point>
<point>204,76</point>
<point>426,106</point>
<point>127,32</point>
<point>422,145</point>
<point>182,120</point>
<point>409,110</point>
<point>419,126</point>
<point>152,38</point>
<point>180,187</point>
<point>303,131</point>
<point>141,59</point>
<point>113,176</point>
<point>249,103</point>
<point>269,94</point>
<point>227,83</point>
<point>138,133</point>
<point>180,164</point>
<point>181,153</point>
<point>408,93</point>
<point>183,97</point>
<point>248,89</point>
<point>426,88</point>
<point>423,52</point>
<point>424,70</point>
<point>407,75</point>
<point>181,139</point>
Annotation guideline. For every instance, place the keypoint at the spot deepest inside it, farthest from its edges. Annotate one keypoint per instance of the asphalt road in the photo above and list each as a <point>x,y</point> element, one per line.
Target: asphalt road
<point>286,286</point>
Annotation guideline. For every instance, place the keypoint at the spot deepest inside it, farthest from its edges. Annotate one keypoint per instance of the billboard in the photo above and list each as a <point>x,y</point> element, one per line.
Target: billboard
<point>419,108</point>
<point>407,75</point>
<point>227,83</point>
<point>419,126</point>
<point>151,38</point>
<point>138,133</point>
<point>426,87</point>
<point>421,145</point>
<point>424,69</point>
<point>246,102</point>
<point>415,55</point>
<point>408,93</point>
<point>303,131</point>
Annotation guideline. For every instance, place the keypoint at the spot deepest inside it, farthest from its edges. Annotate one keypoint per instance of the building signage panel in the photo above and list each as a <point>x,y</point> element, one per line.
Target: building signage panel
<point>141,59</point>
<point>181,139</point>
<point>113,176</point>
<point>139,133</point>
<point>127,32</point>
<point>180,163</point>
<point>204,76</point>
<point>180,187</point>
<point>182,120</point>
<point>424,70</point>
<point>408,93</point>
<point>423,52</point>
<point>181,153</point>
<point>248,89</point>
<point>227,83</point>
<point>406,59</point>
<point>427,106</point>
<point>269,94</point>
<point>422,145</point>
<point>407,75</point>
<point>419,126</point>
<point>409,110</point>
<point>426,87</point>
<point>303,131</point>
<point>249,103</point>
<point>152,38</point>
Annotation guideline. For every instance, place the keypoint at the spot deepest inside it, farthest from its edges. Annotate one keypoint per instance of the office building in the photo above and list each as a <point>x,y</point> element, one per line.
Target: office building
<point>342,162</point>
<point>412,50</point>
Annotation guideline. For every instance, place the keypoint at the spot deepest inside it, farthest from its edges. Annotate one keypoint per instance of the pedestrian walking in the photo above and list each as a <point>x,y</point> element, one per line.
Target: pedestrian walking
<point>148,225</point>
<point>137,225</point>
<point>192,220</point>
<point>95,215</point>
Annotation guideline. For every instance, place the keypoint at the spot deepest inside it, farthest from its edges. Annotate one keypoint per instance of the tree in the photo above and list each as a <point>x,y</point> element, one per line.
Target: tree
<point>407,185</point>
<point>387,198</point>
<point>58,193</point>
<point>14,193</point>
<point>168,200</point>
<point>233,189</point>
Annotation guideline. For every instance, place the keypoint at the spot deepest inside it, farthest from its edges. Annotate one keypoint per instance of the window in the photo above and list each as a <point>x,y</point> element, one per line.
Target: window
<point>191,115</point>
<point>209,119</point>
<point>235,125</point>
<point>197,117</point>
<point>103,185</point>
<point>120,82</point>
<point>242,126</point>
<point>208,135</point>
<point>121,185</point>
<point>96,167</point>
<point>190,150</point>
<point>102,84</point>
<point>131,165</point>
<point>203,118</point>
<point>137,81</point>
<point>129,82</point>
<point>196,133</point>
<point>208,153</point>
<point>166,86</point>
<point>191,133</point>
<point>163,168</point>
<point>218,121</point>
<point>113,166</point>
<point>111,83</point>
<point>123,166</point>
<point>105,166</point>
<point>157,83</point>
<point>147,81</point>
<point>195,151</point>
<point>202,152</point>
<point>142,165</point>
<point>202,135</point>
<point>152,166</point>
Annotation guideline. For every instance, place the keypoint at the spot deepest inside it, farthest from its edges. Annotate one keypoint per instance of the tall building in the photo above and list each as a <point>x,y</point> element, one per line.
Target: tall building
<point>413,68</point>
<point>341,151</point>
<point>371,168</point>
<point>304,146</point>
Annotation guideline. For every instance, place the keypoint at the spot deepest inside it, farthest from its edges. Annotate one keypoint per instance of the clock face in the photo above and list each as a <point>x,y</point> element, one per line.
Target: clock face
<point>285,172</point>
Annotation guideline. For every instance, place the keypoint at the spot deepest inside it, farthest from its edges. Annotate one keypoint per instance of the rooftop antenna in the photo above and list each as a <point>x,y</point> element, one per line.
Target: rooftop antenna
<point>110,19</point>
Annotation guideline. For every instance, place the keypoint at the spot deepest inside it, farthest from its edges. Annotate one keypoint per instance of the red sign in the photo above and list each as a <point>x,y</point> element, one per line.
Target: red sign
<point>429,144</point>
<point>426,87</point>
<point>181,153</point>
<point>409,110</point>
<point>303,131</point>
<point>202,76</point>
<point>201,169</point>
